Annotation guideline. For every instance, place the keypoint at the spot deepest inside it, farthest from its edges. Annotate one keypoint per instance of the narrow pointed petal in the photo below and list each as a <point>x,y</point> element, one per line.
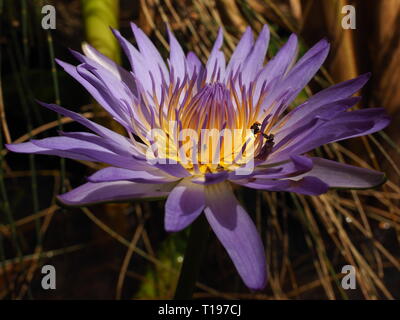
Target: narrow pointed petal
<point>104,132</point>
<point>112,92</point>
<point>241,52</point>
<point>255,60</point>
<point>345,126</point>
<point>150,52</point>
<point>237,233</point>
<point>29,147</point>
<point>298,165</point>
<point>308,185</point>
<point>103,142</point>
<point>141,66</point>
<point>101,59</point>
<point>177,57</point>
<point>298,77</point>
<point>284,59</point>
<point>77,149</point>
<point>216,62</point>
<point>306,68</point>
<point>295,166</point>
<point>95,127</point>
<point>184,204</point>
<point>300,117</point>
<point>325,97</point>
<point>122,90</point>
<point>92,193</point>
<point>98,59</point>
<point>340,175</point>
<point>97,91</point>
<point>340,91</point>
<point>193,63</point>
<point>139,176</point>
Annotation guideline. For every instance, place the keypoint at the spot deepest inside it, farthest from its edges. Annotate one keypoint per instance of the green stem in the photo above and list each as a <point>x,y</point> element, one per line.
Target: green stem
<point>194,253</point>
<point>98,17</point>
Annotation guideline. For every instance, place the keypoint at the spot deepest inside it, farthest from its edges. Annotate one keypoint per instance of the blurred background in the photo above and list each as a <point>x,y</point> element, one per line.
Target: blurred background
<point>121,251</point>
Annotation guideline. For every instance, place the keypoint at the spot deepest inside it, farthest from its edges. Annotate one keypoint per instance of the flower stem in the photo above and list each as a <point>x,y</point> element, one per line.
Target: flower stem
<point>194,253</point>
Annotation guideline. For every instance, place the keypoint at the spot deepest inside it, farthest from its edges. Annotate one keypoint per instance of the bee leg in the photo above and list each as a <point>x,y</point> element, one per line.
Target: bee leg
<point>266,148</point>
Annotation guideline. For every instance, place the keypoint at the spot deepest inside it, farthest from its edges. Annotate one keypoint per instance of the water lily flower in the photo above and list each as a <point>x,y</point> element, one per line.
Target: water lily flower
<point>245,95</point>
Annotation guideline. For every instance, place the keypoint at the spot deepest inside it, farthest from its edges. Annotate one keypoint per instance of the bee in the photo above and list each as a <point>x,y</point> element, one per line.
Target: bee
<point>268,145</point>
<point>256,128</point>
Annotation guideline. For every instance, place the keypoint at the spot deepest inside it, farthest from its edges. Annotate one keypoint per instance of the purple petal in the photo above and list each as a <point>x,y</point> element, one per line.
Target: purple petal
<point>306,67</point>
<point>193,63</point>
<point>98,91</point>
<point>303,115</point>
<point>97,59</point>
<point>91,193</point>
<point>345,126</point>
<point>340,175</point>
<point>174,169</point>
<point>241,52</point>
<point>297,165</point>
<point>177,57</point>
<point>184,204</point>
<point>211,178</point>
<point>308,185</point>
<point>150,53</point>
<point>278,66</point>
<point>118,95</point>
<point>70,147</point>
<point>255,60</point>
<point>291,168</point>
<point>282,148</point>
<point>237,233</point>
<point>69,144</point>
<point>118,174</point>
<point>29,147</point>
<point>103,142</point>
<point>216,61</point>
<point>325,97</point>
<point>141,66</point>
<point>96,128</point>
<point>112,92</point>
<point>298,76</point>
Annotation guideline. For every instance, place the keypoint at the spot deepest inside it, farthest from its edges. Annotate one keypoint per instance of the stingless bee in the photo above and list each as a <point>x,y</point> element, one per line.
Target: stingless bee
<point>268,145</point>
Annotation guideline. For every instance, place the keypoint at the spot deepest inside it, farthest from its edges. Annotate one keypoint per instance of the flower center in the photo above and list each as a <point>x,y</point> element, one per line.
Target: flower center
<point>206,127</point>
